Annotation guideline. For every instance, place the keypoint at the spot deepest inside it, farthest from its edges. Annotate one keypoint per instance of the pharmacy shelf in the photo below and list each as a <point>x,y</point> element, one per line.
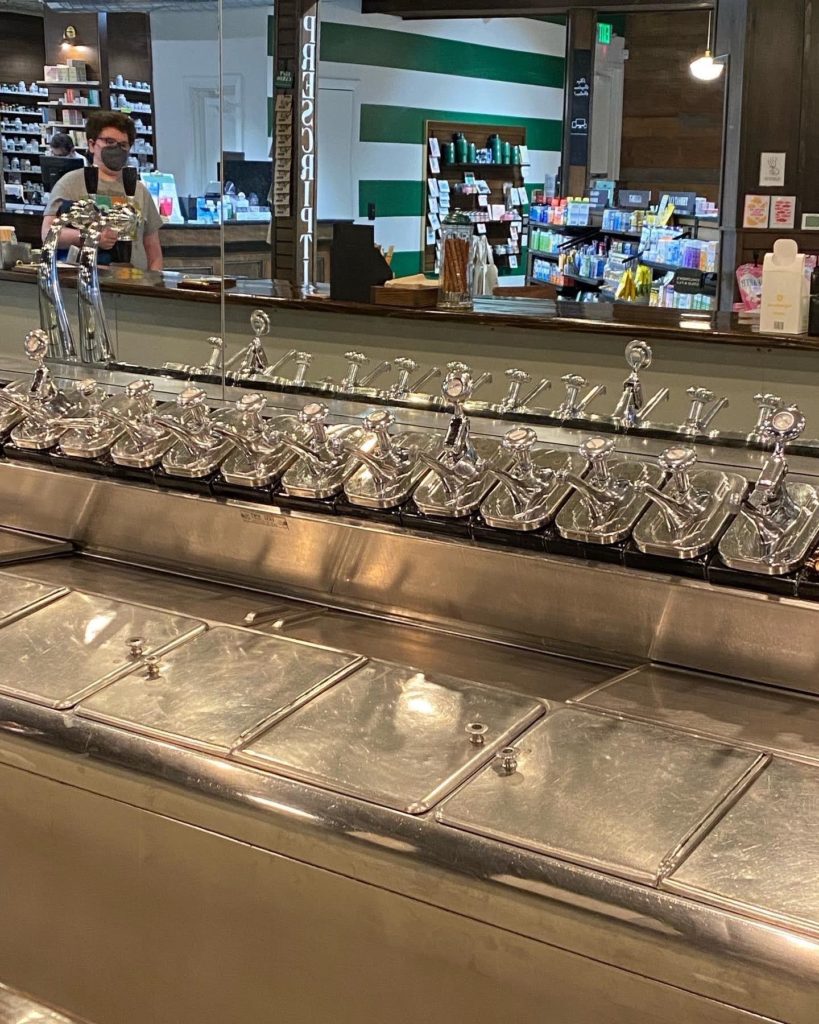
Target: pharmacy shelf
<point>18,92</point>
<point>21,113</point>
<point>70,106</point>
<point>68,85</point>
<point>31,170</point>
<point>19,131</point>
<point>129,88</point>
<point>28,154</point>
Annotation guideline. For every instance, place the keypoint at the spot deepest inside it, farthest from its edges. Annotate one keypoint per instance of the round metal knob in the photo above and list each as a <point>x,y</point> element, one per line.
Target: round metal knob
<point>191,398</point>
<point>517,376</point>
<point>136,646</point>
<point>457,386</point>
<point>405,363</point>
<point>519,439</point>
<point>508,760</point>
<point>216,342</point>
<point>700,395</point>
<point>139,389</point>
<point>379,421</point>
<point>574,380</point>
<point>457,367</point>
<point>313,412</point>
<point>303,358</point>
<point>597,449</point>
<point>638,355</point>
<point>36,345</point>
<point>677,460</point>
<point>787,425</point>
<point>768,401</point>
<point>356,358</point>
<point>251,403</point>
<point>476,731</point>
<point>259,322</point>
<point>152,667</point>
<point>86,388</point>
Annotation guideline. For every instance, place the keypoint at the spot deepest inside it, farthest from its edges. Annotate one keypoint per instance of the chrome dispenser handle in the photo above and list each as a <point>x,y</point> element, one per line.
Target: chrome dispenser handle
<point>767,406</point>
<point>36,346</point>
<point>259,322</point>
<point>639,355</point>
<point>215,359</point>
<point>314,416</point>
<point>406,366</point>
<point>517,378</point>
<point>383,367</point>
<point>379,423</point>
<point>598,451</point>
<point>356,360</point>
<point>679,462</point>
<point>302,360</point>
<point>519,442</point>
<point>787,425</point>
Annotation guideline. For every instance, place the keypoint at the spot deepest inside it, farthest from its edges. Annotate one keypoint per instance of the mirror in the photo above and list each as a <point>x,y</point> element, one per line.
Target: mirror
<point>61,72</point>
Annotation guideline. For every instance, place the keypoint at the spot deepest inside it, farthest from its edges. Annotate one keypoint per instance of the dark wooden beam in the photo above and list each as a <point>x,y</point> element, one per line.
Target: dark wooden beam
<point>517,8</point>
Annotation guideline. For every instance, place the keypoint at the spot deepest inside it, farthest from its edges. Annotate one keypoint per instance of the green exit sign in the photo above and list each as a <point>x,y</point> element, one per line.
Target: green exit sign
<point>604,32</point>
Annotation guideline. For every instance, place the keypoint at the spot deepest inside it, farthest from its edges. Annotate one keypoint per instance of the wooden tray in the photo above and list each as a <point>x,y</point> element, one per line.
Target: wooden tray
<point>415,298</point>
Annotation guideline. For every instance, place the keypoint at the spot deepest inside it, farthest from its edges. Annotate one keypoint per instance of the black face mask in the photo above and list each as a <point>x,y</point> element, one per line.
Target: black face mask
<point>114,158</point>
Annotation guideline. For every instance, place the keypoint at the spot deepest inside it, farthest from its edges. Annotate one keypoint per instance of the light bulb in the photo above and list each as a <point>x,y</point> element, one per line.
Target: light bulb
<point>706,68</point>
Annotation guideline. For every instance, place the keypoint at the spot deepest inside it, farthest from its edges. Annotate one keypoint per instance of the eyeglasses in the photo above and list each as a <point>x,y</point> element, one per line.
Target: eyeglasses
<point>107,141</point>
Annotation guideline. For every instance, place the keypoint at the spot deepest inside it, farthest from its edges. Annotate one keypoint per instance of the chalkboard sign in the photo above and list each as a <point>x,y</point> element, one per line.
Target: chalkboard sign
<point>688,282</point>
<point>634,199</point>
<point>580,108</point>
<point>685,203</point>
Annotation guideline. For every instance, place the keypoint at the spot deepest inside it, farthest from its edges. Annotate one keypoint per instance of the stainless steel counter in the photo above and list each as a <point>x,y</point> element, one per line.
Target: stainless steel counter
<point>308,762</point>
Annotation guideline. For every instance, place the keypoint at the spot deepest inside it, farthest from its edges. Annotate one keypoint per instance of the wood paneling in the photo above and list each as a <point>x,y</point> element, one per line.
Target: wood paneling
<point>22,52</point>
<point>87,50</point>
<point>471,8</point>
<point>672,124</point>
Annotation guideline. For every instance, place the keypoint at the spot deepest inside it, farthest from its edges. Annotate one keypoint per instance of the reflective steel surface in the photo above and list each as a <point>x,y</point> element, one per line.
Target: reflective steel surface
<point>16,1008</point>
<point>617,796</point>
<point>755,716</point>
<point>220,685</point>
<point>761,858</point>
<point>576,520</point>
<point>393,736</point>
<point>20,596</point>
<point>71,647</point>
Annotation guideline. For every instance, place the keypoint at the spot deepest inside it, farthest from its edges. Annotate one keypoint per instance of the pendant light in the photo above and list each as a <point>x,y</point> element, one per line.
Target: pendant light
<point>708,68</point>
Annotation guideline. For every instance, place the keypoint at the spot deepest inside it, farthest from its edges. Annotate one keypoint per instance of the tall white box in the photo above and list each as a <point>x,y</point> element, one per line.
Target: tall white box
<point>785,290</point>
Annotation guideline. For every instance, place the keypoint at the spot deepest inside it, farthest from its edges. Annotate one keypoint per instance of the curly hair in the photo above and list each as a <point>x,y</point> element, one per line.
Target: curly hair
<point>102,119</point>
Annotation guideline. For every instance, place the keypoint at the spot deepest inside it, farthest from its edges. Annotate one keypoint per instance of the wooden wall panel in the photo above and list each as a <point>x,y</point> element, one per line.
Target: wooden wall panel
<point>672,125</point>
<point>22,55</point>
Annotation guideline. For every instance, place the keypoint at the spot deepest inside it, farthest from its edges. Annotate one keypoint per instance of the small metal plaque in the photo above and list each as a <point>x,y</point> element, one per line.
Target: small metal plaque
<point>70,648</point>
<point>393,736</point>
<point>223,685</point>
<point>760,860</point>
<point>613,795</point>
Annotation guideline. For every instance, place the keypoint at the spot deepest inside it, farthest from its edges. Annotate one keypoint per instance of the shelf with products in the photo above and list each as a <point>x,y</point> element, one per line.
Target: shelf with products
<point>28,153</point>
<point>20,112</point>
<point>20,92</point>
<point>141,90</point>
<point>496,178</point>
<point>71,106</point>
<point>35,171</point>
<point>5,130</point>
<point>69,85</point>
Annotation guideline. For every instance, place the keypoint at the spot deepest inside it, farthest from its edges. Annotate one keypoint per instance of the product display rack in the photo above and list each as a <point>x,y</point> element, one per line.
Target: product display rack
<point>594,230</point>
<point>138,106</point>
<point>496,176</point>
<point>20,123</point>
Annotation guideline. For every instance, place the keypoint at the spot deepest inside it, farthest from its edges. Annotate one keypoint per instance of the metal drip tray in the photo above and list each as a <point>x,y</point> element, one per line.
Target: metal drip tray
<point>19,597</point>
<point>269,460</point>
<point>761,858</point>
<point>222,686</point>
<point>65,651</point>
<point>741,547</point>
<point>612,795</point>
<point>318,479</point>
<point>393,736</point>
<point>365,489</point>
<point>503,511</point>
<point>575,521</point>
<point>653,536</point>
<point>184,462</point>
<point>463,496</point>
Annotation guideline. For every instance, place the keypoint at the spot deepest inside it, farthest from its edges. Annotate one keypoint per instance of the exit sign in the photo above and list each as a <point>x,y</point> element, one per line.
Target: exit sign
<point>605,32</point>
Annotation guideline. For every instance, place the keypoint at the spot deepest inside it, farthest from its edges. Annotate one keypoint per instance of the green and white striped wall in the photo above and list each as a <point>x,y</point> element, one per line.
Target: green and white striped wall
<point>403,73</point>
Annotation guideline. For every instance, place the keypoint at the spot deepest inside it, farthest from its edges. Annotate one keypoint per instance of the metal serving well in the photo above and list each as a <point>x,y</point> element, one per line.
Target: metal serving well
<point>761,858</point>
<point>217,689</point>
<point>393,736</point>
<point>613,795</point>
<point>609,501</point>
<point>19,597</point>
<point>532,490</point>
<point>67,650</point>
<point>324,454</point>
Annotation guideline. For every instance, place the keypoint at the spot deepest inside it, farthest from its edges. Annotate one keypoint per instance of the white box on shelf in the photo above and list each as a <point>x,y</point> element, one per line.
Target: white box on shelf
<point>785,290</point>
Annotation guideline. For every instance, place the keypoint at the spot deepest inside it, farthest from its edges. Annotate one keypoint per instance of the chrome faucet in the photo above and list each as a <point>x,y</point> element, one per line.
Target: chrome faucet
<point>199,449</point>
<point>703,411</point>
<point>767,405</point>
<point>779,521</point>
<point>145,438</point>
<point>513,401</point>
<point>95,337</point>
<point>31,411</point>
<point>213,364</point>
<point>326,456</point>
<point>632,410</point>
<point>259,453</point>
<point>573,406</point>
<point>402,387</point>
<point>688,517</point>
<point>682,503</point>
<point>600,491</point>
<point>456,366</point>
<point>253,359</point>
<point>53,316</point>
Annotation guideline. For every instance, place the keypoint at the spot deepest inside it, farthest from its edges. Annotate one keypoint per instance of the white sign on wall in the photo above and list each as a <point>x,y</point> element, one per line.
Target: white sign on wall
<point>306,233</point>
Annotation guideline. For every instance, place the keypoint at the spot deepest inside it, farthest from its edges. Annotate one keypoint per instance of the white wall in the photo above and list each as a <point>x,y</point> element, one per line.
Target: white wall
<point>187,95</point>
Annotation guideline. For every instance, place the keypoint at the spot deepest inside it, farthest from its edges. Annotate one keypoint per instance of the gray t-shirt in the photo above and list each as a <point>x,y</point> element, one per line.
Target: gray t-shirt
<point>72,187</point>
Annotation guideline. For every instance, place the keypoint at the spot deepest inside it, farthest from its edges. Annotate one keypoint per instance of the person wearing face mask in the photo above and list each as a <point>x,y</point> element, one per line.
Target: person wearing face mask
<point>110,137</point>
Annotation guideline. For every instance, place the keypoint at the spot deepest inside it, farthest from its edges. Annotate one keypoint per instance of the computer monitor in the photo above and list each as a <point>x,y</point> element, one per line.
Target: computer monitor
<point>54,167</point>
<point>249,176</point>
